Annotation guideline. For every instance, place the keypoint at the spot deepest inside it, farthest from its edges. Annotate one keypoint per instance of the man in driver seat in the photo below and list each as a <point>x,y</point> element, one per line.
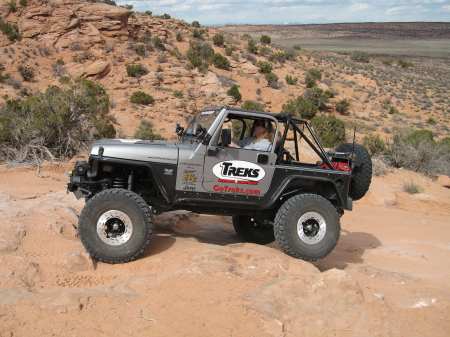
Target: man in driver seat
<point>263,134</point>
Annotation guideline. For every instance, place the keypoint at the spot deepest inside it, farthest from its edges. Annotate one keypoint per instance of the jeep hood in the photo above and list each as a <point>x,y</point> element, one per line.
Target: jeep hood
<point>136,149</point>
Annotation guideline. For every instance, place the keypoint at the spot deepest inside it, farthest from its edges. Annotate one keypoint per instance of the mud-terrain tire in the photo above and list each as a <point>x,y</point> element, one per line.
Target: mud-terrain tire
<point>115,226</point>
<point>307,227</point>
<point>249,230</point>
<point>362,172</point>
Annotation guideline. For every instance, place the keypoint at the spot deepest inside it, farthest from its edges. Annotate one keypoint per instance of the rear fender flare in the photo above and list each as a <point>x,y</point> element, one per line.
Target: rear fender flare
<point>284,185</point>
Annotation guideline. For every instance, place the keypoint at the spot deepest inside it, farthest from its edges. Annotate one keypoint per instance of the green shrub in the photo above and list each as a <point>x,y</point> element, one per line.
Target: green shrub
<point>291,80</point>
<point>278,57</point>
<point>252,47</point>
<point>80,58</point>
<point>23,2</point>
<point>297,47</point>
<point>431,121</point>
<point>12,7</point>
<point>310,81</point>
<point>176,55</point>
<point>412,188</point>
<point>137,70</point>
<point>252,105</point>
<point>272,80</point>
<point>110,2</point>
<point>360,56</point>
<point>418,151</point>
<point>145,132</point>
<point>177,93</point>
<point>317,74</point>
<point>374,144</point>
<point>195,24</point>
<point>318,97</point>
<point>300,107</point>
<point>234,92</point>
<point>198,33</point>
<point>265,67</point>
<point>55,124</point>
<point>4,77</point>
<point>26,72</point>
<point>64,80</point>
<point>11,31</point>
<point>220,61</point>
<point>263,50</point>
<point>330,130</point>
<point>199,52</point>
<point>218,40</point>
<point>157,42</point>
<point>179,37</point>
<point>140,49</point>
<point>265,39</point>
<point>140,97</point>
<point>393,111</point>
<point>343,106</point>
<point>405,64</point>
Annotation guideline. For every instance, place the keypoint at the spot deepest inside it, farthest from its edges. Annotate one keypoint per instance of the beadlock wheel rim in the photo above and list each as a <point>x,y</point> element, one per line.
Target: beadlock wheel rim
<point>114,228</point>
<point>311,228</point>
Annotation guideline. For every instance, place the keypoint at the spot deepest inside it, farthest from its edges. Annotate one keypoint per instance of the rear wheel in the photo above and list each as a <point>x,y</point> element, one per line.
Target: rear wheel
<point>249,230</point>
<point>362,172</point>
<point>307,227</point>
<point>115,226</point>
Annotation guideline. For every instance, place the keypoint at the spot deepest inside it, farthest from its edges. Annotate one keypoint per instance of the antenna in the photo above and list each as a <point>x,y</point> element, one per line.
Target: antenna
<point>354,138</point>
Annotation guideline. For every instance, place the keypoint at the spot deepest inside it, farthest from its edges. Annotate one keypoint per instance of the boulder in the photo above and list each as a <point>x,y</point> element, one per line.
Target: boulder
<point>443,180</point>
<point>97,68</point>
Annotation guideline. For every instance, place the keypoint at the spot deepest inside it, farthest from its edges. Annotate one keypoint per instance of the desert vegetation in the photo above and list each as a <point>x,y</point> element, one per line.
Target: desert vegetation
<point>381,98</point>
<point>55,124</point>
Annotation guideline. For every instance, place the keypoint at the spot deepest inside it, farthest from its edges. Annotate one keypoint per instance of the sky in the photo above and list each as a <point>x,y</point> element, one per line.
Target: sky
<point>212,12</point>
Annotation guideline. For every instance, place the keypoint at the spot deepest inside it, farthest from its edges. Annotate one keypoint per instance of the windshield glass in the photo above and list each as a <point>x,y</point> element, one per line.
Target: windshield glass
<point>204,117</point>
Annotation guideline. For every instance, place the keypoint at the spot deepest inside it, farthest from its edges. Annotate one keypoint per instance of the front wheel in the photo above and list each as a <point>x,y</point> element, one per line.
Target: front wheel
<point>307,227</point>
<point>249,230</point>
<point>115,226</point>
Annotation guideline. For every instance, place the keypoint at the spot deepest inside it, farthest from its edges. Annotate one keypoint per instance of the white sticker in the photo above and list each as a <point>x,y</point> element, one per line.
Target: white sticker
<point>237,169</point>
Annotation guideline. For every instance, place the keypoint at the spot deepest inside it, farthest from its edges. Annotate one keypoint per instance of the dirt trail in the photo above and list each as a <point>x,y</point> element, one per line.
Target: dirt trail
<point>388,275</point>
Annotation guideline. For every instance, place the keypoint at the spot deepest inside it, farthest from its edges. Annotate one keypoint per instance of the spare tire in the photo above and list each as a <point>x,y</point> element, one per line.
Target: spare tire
<point>362,171</point>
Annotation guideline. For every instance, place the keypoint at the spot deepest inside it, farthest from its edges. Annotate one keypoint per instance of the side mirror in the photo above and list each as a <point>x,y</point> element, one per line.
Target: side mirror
<point>225,137</point>
<point>178,128</point>
<point>198,129</point>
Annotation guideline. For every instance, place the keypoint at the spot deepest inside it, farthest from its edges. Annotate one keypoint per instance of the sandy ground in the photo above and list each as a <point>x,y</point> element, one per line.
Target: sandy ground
<point>389,274</point>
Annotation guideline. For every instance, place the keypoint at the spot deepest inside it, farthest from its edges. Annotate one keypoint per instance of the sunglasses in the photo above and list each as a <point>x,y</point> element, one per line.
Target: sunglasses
<point>262,123</point>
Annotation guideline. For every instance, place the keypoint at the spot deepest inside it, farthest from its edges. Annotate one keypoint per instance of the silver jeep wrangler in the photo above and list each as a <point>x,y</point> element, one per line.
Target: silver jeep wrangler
<point>282,194</point>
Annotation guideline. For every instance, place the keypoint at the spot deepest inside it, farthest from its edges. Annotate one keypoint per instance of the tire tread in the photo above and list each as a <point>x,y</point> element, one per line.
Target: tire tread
<point>118,194</point>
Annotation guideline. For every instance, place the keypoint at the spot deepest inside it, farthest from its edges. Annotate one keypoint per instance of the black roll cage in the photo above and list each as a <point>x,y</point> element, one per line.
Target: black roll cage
<point>316,146</point>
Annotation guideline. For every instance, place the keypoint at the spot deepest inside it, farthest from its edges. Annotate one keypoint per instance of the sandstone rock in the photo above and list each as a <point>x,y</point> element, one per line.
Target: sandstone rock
<point>178,72</point>
<point>75,70</point>
<point>297,300</point>
<point>73,23</point>
<point>20,270</point>
<point>443,180</point>
<point>323,86</point>
<point>102,10</point>
<point>76,262</point>
<point>151,79</point>
<point>97,68</point>
<point>248,68</point>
